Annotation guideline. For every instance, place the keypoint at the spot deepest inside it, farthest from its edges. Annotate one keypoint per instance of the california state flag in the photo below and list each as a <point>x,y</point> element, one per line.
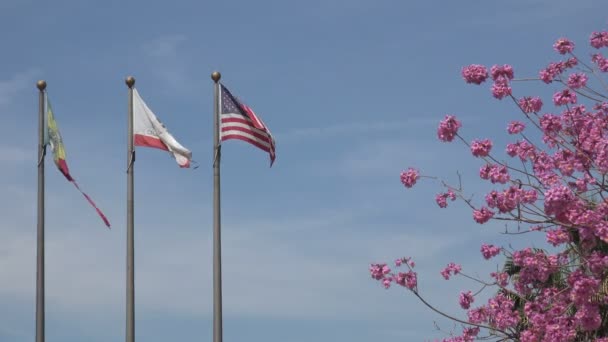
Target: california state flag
<point>148,131</point>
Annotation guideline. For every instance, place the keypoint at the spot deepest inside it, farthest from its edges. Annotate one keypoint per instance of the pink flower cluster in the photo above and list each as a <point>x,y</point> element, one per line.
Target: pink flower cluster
<point>495,173</point>
<point>501,76</point>
<point>558,187</point>
<point>558,199</point>
<point>516,127</point>
<point>450,269</point>
<point>483,215</point>
<point>577,80</point>
<point>468,335</point>
<point>501,278</point>
<point>510,199</point>
<point>441,199</point>
<point>465,299</point>
<point>383,273</point>
<point>474,73</point>
<point>555,69</point>
<point>489,251</point>
<point>600,61</point>
<point>558,236</point>
<point>563,46</point>
<point>448,128</point>
<point>409,177</point>
<point>531,104</point>
<point>564,97</point>
<point>501,88</point>
<point>481,148</point>
<point>535,267</point>
<point>504,71</point>
<point>599,39</point>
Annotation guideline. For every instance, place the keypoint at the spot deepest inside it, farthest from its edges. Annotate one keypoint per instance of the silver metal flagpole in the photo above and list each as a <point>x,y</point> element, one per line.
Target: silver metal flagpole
<point>130,330</point>
<point>217,241</point>
<point>40,248</point>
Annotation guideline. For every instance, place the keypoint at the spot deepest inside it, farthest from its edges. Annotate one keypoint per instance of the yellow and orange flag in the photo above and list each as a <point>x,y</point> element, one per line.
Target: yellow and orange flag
<point>53,139</point>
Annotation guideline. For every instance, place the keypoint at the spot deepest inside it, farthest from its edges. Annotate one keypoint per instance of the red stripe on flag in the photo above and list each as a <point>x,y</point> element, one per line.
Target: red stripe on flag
<point>244,120</point>
<point>63,167</point>
<point>148,141</point>
<point>246,139</point>
<point>103,217</point>
<point>256,134</point>
<point>256,122</point>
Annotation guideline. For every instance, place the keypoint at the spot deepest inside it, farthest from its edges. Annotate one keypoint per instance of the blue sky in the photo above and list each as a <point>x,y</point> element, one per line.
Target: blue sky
<point>352,90</point>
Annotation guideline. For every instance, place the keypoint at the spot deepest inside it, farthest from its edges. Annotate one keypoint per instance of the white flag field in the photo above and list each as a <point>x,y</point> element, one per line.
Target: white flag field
<point>148,131</point>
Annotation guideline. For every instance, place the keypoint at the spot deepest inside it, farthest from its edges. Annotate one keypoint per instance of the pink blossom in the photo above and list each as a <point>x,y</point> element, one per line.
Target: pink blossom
<point>502,278</point>
<point>583,287</point>
<point>515,127</point>
<point>557,200</point>
<point>563,46</point>
<point>550,124</point>
<point>501,88</point>
<point>530,104</point>
<point>599,39</point>
<point>489,251</point>
<point>588,317</point>
<point>481,148</point>
<point>498,71</point>
<point>529,196</point>
<point>475,73</point>
<point>495,173</point>
<point>378,271</point>
<point>451,268</point>
<point>501,310</point>
<point>564,97</point>
<point>600,61</point>
<point>482,216</point>
<point>571,62</point>
<point>598,263</point>
<point>441,199</point>
<point>408,279</point>
<point>512,150</point>
<point>499,174</point>
<point>558,236</point>
<point>448,128</point>
<point>553,70</point>
<point>409,177</point>
<point>577,80</point>
<point>478,315</point>
<point>535,266</point>
<point>556,192</point>
<point>469,334</point>
<point>465,299</point>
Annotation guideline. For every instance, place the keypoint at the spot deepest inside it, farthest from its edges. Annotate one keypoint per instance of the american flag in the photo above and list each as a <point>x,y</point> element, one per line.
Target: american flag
<point>240,122</point>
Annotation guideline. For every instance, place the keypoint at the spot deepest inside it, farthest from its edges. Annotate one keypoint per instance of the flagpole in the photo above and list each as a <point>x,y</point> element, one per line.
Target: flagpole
<point>217,242</point>
<point>130,317</point>
<point>40,243</point>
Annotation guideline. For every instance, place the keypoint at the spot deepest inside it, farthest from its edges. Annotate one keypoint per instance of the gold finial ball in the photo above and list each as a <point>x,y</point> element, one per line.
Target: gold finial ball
<point>215,76</point>
<point>130,81</point>
<point>41,85</point>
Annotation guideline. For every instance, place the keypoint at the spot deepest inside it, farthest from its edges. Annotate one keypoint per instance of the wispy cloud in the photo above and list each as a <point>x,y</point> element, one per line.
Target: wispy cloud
<point>165,59</point>
<point>165,46</point>
<point>351,128</point>
<point>285,268</point>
